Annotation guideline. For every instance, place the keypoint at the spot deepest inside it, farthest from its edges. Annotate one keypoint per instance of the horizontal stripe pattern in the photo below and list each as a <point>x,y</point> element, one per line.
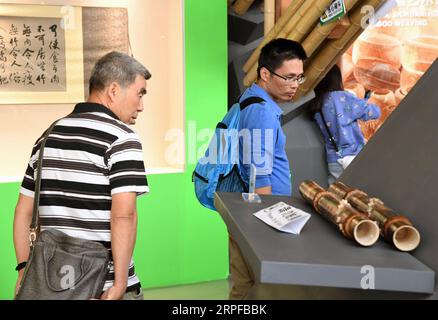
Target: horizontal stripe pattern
<point>89,156</point>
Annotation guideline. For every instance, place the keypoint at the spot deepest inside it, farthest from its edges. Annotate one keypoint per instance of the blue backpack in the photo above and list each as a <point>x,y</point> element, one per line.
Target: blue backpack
<point>219,169</point>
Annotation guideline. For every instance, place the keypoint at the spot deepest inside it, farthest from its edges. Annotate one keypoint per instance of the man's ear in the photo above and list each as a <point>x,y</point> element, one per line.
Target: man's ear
<point>264,74</point>
<point>113,90</point>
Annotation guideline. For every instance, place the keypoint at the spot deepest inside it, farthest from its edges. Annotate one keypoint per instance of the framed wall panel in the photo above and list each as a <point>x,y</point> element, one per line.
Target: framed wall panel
<point>41,57</point>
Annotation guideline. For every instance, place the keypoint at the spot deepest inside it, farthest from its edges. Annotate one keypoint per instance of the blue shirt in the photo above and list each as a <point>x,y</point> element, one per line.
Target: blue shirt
<point>341,111</point>
<point>262,143</point>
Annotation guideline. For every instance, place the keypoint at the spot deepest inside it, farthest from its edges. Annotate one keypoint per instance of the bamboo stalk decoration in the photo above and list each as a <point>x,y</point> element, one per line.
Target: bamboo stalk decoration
<point>300,93</point>
<point>336,59</point>
<point>251,76</point>
<point>269,11</point>
<point>320,63</point>
<point>309,20</point>
<point>353,224</point>
<point>321,32</point>
<point>241,6</point>
<point>291,9</point>
<point>395,228</point>
<point>324,71</point>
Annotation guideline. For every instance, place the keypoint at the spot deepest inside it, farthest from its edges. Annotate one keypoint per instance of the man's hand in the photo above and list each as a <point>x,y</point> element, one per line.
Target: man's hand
<point>113,293</point>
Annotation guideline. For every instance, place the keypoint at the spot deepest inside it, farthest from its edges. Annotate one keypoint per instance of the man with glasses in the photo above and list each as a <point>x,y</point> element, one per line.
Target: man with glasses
<point>262,140</point>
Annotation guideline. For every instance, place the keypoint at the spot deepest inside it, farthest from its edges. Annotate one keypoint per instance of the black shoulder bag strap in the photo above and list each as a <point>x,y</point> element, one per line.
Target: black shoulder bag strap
<point>36,200</point>
<point>332,140</point>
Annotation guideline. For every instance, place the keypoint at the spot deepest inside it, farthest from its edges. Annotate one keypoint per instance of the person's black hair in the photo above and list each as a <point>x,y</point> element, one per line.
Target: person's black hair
<point>331,82</point>
<point>275,52</point>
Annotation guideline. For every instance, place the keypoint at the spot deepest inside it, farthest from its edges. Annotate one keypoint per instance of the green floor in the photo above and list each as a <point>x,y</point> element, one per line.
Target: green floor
<point>214,290</point>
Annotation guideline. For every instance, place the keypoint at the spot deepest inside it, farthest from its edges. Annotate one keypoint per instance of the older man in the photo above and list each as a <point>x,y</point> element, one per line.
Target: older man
<point>92,173</point>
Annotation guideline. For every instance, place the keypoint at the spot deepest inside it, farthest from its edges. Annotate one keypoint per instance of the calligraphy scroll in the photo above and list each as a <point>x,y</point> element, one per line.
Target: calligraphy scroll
<point>32,54</point>
<point>41,56</point>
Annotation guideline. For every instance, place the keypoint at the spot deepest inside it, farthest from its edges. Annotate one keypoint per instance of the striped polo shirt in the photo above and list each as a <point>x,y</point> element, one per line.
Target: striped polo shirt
<point>89,156</point>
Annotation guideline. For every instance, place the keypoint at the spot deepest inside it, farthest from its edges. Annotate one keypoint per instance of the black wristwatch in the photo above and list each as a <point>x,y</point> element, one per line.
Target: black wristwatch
<point>20,266</point>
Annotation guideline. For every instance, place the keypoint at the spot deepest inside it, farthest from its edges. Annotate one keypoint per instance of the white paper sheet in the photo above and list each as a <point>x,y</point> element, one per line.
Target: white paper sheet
<point>284,217</point>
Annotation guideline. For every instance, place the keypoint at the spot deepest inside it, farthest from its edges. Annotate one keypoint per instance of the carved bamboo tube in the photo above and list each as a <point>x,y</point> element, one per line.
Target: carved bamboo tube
<point>395,228</point>
<point>353,224</point>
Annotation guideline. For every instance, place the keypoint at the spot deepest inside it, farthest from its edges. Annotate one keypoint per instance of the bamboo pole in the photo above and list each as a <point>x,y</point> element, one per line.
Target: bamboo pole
<point>269,8</point>
<point>326,58</point>
<point>301,12</point>
<point>321,32</point>
<point>305,25</point>
<point>290,11</point>
<point>251,75</point>
<point>322,72</point>
<point>335,60</point>
<point>241,6</point>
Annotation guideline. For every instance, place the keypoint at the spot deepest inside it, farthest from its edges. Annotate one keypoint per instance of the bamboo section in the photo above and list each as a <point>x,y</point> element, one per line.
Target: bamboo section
<point>353,224</point>
<point>324,71</point>
<point>335,60</point>
<point>395,228</point>
<point>241,6</point>
<point>269,8</point>
<point>309,20</point>
<point>321,32</point>
<point>293,7</point>
<point>327,56</point>
<point>300,14</point>
<point>251,76</point>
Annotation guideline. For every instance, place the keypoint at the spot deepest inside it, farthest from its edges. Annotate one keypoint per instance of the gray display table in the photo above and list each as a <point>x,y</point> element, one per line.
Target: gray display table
<point>320,256</point>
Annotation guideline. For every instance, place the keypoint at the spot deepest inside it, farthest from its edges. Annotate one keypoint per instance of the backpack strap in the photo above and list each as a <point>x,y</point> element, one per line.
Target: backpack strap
<point>250,101</point>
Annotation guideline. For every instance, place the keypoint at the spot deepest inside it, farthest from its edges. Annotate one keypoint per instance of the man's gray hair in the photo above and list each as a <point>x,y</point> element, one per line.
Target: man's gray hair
<point>116,67</point>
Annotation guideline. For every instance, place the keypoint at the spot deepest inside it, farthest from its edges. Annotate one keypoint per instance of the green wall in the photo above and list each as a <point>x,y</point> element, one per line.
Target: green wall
<point>178,240</point>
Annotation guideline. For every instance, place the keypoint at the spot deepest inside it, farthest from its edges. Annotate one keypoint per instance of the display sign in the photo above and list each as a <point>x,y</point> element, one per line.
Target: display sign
<point>284,217</point>
<point>334,12</point>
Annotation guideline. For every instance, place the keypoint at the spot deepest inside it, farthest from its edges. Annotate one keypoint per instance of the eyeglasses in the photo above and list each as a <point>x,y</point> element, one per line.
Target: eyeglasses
<point>299,78</point>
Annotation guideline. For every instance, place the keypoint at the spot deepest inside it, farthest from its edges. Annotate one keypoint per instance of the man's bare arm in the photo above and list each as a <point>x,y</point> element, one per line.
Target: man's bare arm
<point>22,220</point>
<point>123,235</point>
